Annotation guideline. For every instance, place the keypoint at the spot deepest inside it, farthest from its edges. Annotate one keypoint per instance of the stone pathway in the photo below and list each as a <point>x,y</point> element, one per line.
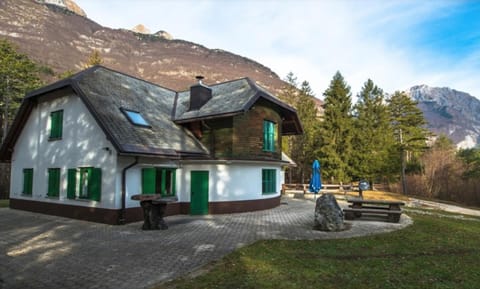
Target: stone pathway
<point>41,251</point>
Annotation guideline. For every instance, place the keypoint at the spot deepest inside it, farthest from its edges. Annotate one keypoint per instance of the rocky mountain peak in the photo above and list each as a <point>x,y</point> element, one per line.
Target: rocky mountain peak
<point>140,28</point>
<point>450,112</point>
<point>69,5</point>
<point>163,34</point>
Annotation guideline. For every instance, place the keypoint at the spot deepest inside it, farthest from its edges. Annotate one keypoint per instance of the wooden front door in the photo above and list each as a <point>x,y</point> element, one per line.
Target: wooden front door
<point>199,193</point>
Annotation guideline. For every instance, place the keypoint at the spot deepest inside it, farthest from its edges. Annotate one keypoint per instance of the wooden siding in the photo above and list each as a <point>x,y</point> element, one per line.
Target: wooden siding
<point>241,136</point>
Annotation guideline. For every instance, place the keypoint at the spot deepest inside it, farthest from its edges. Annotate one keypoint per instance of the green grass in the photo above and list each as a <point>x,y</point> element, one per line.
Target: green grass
<point>4,203</point>
<point>435,252</point>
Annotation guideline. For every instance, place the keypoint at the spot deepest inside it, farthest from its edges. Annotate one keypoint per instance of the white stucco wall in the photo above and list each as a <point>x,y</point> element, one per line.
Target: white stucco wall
<point>227,182</point>
<point>83,144</point>
<point>134,175</point>
<point>230,182</point>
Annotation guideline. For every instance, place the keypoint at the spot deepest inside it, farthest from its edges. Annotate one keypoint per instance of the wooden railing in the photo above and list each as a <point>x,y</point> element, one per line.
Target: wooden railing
<point>325,188</point>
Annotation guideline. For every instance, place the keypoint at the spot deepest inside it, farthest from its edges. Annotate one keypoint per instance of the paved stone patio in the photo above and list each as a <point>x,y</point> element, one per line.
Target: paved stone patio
<point>41,251</point>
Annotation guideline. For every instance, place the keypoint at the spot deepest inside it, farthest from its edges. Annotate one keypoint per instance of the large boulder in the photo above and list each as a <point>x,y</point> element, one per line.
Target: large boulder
<point>328,214</point>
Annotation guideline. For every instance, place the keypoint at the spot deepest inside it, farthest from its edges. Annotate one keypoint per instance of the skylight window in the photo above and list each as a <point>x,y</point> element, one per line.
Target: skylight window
<point>135,117</point>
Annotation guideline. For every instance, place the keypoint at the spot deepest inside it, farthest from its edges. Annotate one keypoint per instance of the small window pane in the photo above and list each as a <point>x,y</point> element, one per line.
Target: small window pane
<point>136,118</point>
<point>269,136</point>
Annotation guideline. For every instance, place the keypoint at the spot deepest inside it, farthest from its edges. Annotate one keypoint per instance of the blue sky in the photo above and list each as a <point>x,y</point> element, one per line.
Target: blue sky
<point>397,44</point>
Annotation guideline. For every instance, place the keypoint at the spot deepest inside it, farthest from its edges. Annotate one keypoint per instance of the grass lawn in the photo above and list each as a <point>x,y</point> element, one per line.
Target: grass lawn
<point>435,252</point>
<point>4,203</point>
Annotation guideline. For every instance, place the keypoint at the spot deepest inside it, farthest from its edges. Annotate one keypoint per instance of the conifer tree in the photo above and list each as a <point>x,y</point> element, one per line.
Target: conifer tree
<point>337,131</point>
<point>304,146</point>
<point>408,126</point>
<point>373,135</point>
<point>18,75</point>
<point>94,59</point>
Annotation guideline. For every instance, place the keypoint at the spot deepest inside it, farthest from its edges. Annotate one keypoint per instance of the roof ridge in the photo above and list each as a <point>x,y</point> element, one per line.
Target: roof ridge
<point>220,83</point>
<point>131,76</point>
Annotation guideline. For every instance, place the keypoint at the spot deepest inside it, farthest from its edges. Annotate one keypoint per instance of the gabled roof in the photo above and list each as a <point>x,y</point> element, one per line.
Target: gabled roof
<point>106,92</point>
<point>232,98</point>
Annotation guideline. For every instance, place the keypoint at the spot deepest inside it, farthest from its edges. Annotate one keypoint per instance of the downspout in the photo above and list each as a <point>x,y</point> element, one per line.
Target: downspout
<point>121,220</point>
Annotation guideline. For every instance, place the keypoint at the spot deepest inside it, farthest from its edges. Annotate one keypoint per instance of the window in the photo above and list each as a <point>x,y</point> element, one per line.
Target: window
<point>53,183</point>
<point>27,181</point>
<point>269,136</point>
<point>269,181</point>
<point>56,124</point>
<point>135,117</point>
<point>159,181</point>
<point>89,183</point>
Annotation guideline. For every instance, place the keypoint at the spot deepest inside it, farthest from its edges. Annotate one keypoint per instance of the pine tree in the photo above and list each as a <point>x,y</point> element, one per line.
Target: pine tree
<point>304,146</point>
<point>373,134</point>
<point>18,75</point>
<point>337,131</point>
<point>408,126</point>
<point>290,92</point>
<point>94,59</point>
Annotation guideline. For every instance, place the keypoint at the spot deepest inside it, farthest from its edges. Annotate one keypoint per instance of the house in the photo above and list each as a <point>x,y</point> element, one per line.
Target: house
<point>81,147</point>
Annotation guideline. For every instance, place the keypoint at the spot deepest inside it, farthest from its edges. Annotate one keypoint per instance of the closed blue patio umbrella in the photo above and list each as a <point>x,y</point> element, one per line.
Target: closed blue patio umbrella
<point>315,182</point>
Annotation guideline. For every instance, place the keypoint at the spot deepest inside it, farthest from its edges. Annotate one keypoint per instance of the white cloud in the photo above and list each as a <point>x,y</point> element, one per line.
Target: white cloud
<point>314,39</point>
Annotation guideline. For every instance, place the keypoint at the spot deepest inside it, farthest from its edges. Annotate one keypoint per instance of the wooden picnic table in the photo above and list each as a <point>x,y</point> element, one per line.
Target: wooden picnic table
<point>361,206</point>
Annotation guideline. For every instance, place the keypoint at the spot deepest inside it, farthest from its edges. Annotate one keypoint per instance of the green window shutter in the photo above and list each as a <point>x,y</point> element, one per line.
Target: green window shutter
<point>27,181</point>
<point>273,181</point>
<point>53,182</point>
<point>60,124</point>
<point>71,183</point>
<point>269,181</point>
<point>148,181</point>
<point>264,181</point>
<point>56,124</point>
<point>95,184</point>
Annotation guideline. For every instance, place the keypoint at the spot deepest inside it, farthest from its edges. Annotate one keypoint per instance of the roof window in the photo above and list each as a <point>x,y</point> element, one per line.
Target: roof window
<point>135,117</point>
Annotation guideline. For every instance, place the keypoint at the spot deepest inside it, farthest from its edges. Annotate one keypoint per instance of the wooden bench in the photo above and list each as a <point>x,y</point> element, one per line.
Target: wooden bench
<point>393,216</point>
<point>376,207</point>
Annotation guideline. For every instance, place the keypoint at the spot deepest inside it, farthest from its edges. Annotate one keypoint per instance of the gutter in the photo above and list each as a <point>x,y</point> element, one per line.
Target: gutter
<point>121,219</point>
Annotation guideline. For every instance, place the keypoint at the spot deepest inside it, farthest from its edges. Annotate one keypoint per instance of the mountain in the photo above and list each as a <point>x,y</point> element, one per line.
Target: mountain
<point>450,112</point>
<point>57,34</point>
<point>66,4</point>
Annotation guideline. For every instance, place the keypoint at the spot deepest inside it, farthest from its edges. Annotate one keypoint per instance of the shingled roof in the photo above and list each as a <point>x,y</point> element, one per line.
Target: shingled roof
<point>235,97</point>
<point>106,92</point>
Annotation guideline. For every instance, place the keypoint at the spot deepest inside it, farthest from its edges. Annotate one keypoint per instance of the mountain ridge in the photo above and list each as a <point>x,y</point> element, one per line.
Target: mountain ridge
<point>48,35</point>
<point>450,112</point>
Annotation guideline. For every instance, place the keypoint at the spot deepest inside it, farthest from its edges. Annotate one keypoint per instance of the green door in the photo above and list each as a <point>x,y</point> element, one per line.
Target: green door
<point>199,193</point>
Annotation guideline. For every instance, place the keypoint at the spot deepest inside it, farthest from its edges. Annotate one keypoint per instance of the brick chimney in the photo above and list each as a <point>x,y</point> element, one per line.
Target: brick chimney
<point>199,94</point>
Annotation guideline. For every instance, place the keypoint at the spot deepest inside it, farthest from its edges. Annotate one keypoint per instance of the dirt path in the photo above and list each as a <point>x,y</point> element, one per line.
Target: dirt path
<point>417,203</point>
